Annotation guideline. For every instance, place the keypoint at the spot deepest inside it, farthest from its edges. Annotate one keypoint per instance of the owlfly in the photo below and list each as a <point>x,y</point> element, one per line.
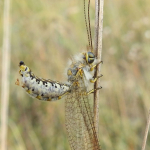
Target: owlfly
<point>78,110</point>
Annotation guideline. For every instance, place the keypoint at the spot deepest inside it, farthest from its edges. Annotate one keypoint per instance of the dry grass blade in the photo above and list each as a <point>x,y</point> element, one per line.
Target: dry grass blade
<point>146,132</point>
<point>98,51</point>
<point>5,76</point>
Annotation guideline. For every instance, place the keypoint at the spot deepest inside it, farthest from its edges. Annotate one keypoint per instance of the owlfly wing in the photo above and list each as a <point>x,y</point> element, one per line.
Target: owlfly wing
<point>79,120</point>
<point>79,112</point>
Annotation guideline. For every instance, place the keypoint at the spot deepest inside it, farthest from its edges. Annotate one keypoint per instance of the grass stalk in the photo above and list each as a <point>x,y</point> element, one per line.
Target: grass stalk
<point>146,132</point>
<point>98,51</point>
<point>5,75</point>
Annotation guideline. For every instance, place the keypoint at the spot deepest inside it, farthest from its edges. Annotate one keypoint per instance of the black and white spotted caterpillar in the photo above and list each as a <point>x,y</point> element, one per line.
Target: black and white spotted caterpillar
<point>42,89</point>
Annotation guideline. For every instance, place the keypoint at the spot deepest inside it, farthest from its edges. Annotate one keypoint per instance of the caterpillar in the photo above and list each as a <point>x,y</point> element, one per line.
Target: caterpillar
<point>42,89</point>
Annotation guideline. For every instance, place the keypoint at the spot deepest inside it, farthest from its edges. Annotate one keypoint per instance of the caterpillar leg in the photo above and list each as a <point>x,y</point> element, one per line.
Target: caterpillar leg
<point>92,68</point>
<point>95,79</point>
<point>92,91</point>
<point>17,82</point>
<point>58,97</point>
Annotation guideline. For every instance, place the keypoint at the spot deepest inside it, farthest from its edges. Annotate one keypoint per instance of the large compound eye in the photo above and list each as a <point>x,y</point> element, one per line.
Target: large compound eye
<point>90,57</point>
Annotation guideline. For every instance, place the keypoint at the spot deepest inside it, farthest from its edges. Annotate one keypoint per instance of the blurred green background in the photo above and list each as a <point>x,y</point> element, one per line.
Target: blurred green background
<point>45,34</point>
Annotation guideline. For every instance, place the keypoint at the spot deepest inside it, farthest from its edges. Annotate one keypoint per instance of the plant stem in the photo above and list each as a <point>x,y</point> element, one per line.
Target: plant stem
<point>146,132</point>
<point>5,75</point>
<point>98,51</point>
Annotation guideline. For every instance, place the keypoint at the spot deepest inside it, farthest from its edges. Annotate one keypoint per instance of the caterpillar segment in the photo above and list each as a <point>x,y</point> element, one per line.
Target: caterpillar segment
<point>42,89</point>
<point>79,112</point>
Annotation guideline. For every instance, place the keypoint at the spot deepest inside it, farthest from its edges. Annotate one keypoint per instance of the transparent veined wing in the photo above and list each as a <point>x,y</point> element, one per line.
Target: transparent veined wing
<point>79,118</point>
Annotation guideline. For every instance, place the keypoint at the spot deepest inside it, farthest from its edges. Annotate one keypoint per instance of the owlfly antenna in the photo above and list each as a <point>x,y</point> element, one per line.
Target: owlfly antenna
<point>88,26</point>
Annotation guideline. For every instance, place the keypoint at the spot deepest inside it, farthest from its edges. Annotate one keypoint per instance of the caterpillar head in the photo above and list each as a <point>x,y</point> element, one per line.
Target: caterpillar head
<point>23,68</point>
<point>89,57</point>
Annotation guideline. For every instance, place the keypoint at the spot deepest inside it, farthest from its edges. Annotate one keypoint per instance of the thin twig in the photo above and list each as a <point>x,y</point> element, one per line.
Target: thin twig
<point>146,132</point>
<point>5,75</point>
<point>98,51</point>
